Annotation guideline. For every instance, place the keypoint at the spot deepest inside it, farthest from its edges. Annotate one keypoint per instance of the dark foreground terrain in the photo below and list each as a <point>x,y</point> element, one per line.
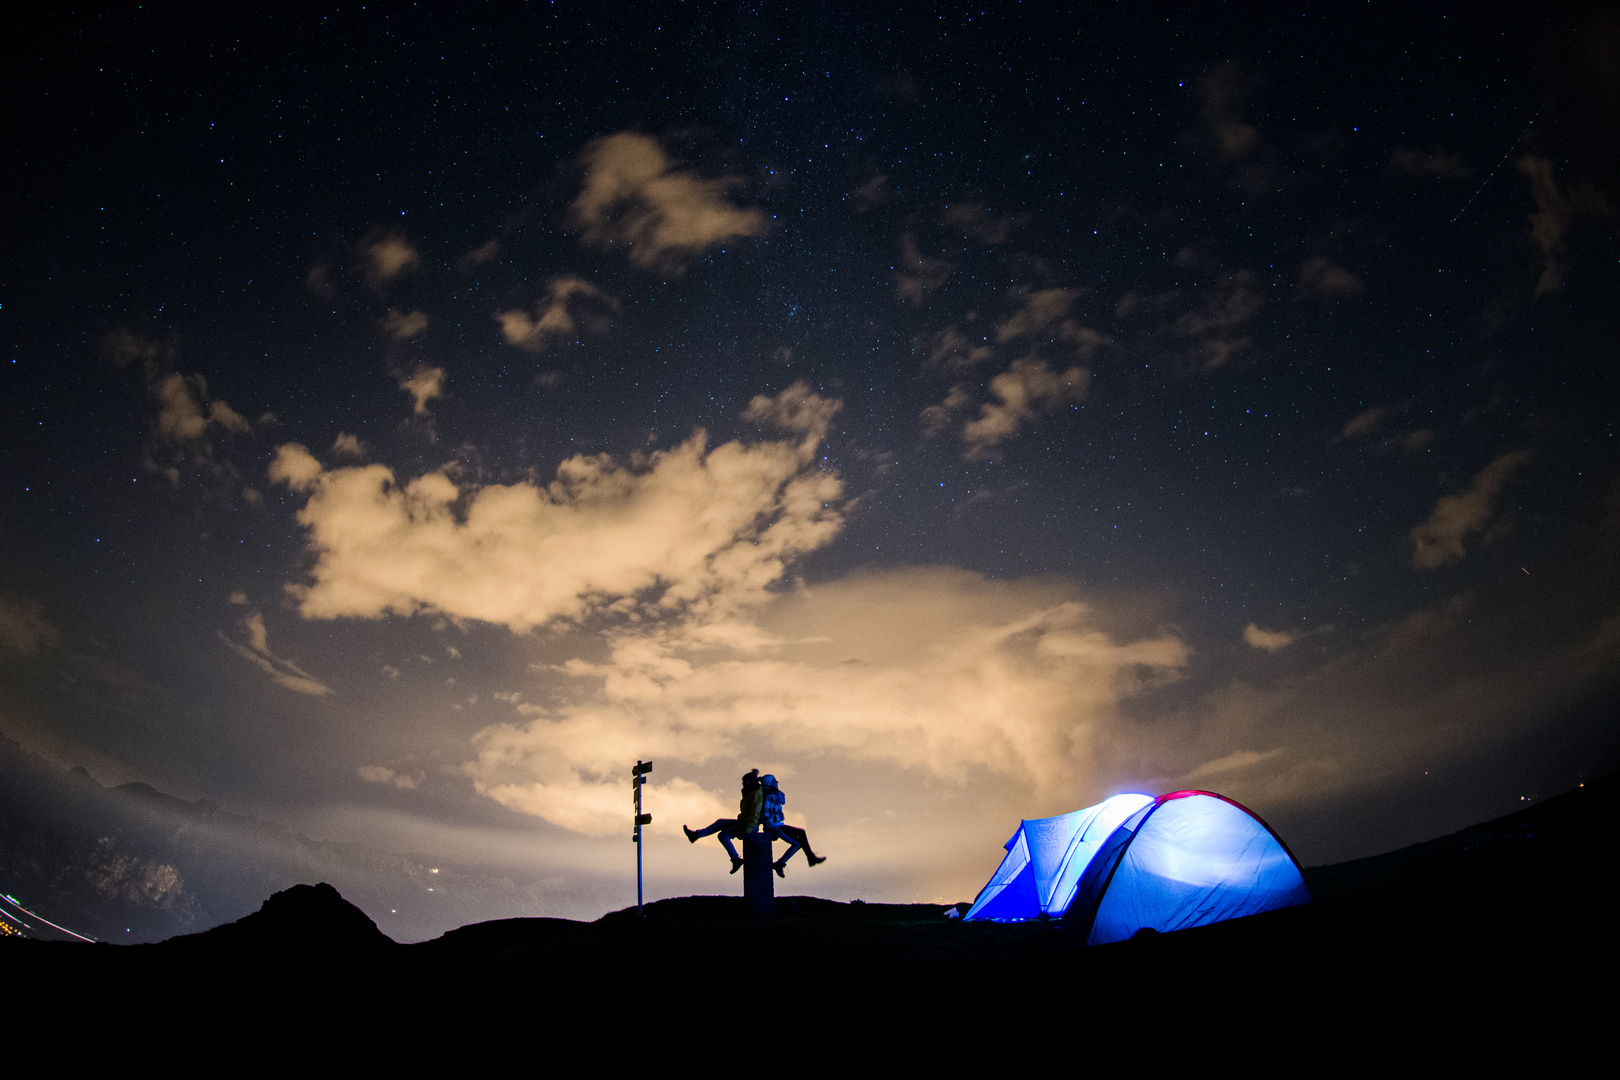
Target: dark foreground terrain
<point>1494,945</point>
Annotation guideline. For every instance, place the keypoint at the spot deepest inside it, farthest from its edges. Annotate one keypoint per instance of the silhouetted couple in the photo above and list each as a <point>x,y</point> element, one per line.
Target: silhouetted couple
<point>761,806</point>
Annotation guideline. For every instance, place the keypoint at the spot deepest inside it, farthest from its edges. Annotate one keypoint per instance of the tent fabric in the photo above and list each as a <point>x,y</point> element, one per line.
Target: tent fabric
<point>1045,860</point>
<point>1009,896</point>
<point>1186,859</point>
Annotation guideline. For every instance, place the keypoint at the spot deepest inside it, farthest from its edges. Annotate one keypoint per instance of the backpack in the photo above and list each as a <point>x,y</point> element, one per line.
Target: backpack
<point>774,801</point>
<point>750,807</point>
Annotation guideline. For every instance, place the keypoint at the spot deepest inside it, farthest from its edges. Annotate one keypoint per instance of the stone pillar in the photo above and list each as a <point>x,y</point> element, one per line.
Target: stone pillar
<point>759,886</point>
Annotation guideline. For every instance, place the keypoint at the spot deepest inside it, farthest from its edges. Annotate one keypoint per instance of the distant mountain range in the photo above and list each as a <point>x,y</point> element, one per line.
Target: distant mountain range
<point>132,864</point>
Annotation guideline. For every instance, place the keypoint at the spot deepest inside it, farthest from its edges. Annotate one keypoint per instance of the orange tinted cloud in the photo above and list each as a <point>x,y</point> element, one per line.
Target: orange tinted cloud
<point>1558,208</point>
<point>424,384</point>
<point>572,305</point>
<point>672,527</point>
<point>1439,540</point>
<point>937,670</point>
<point>385,256</point>
<point>636,199</point>
<point>1269,640</point>
<point>1029,388</point>
<point>918,276</point>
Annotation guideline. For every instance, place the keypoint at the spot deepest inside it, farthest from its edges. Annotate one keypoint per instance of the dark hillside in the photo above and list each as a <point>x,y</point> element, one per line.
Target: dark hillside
<point>1454,949</point>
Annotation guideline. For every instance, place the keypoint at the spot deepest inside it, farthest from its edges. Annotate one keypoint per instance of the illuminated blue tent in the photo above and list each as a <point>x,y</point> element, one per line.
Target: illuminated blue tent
<point>1045,859</point>
<point>1189,858</point>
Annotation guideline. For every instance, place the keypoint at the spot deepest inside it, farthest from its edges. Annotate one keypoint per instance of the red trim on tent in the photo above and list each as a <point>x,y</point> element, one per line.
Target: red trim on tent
<point>1240,806</point>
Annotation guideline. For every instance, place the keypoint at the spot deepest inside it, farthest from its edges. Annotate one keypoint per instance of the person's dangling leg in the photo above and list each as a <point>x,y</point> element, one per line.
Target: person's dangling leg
<point>780,832</point>
<point>799,838</point>
<point>729,833</point>
<point>727,828</point>
<point>709,830</point>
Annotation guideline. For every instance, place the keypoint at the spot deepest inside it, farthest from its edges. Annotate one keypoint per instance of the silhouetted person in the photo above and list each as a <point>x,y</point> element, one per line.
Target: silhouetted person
<point>749,810</point>
<point>796,837</point>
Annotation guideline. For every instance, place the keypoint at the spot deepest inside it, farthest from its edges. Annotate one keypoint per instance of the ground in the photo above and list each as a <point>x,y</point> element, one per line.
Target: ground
<point>1494,941</point>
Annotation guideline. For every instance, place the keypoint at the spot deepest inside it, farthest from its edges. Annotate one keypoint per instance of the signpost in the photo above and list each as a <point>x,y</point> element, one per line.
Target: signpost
<point>638,777</point>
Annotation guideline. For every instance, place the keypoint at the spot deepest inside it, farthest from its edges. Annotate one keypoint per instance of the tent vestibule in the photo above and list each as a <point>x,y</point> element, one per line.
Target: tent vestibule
<point>1045,860</point>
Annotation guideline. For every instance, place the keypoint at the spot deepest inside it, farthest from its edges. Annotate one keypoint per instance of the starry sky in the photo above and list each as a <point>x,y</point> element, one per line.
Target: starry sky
<point>413,418</point>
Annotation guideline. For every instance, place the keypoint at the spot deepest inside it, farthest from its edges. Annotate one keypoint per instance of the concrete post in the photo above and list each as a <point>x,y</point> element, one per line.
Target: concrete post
<point>759,885</point>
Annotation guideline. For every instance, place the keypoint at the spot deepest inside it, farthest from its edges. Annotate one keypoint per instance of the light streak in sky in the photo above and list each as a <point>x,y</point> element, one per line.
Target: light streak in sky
<point>12,900</point>
<point>1499,164</point>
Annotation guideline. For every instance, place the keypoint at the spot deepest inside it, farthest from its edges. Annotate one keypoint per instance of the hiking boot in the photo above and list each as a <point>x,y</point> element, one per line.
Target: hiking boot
<point>691,837</point>
<point>814,860</point>
<point>780,866</point>
<point>736,864</point>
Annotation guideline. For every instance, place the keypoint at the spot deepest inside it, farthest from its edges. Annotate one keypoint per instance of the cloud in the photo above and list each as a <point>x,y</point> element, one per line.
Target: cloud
<point>24,630</point>
<point>1367,422</point>
<point>123,347</point>
<point>294,466</point>
<point>186,419</point>
<point>798,411</point>
<point>1440,164</point>
<point>1411,441</point>
<point>635,198</point>
<point>504,772</point>
<point>872,193</point>
<point>1439,540</point>
<point>1558,210</point>
<point>403,325</point>
<point>1250,160</point>
<point>1028,389</point>
<point>1440,686</point>
<point>381,774</point>
<point>976,221</point>
<point>936,418</point>
<point>424,384</point>
<point>1321,276</point>
<point>1227,764</point>
<point>953,352</point>
<point>319,283</point>
<point>1213,332</point>
<point>1195,256</point>
<point>1269,640</point>
<point>1135,303</point>
<point>666,530</point>
<point>346,445</point>
<point>227,417</point>
<point>1044,317</point>
<point>482,254</point>
<point>572,304</point>
<point>937,672</point>
<point>281,671</point>
<point>185,412</point>
<point>916,276</point>
<point>385,256</point>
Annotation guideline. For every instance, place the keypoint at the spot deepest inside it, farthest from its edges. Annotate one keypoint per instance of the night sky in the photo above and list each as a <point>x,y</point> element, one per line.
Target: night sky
<point>413,418</point>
